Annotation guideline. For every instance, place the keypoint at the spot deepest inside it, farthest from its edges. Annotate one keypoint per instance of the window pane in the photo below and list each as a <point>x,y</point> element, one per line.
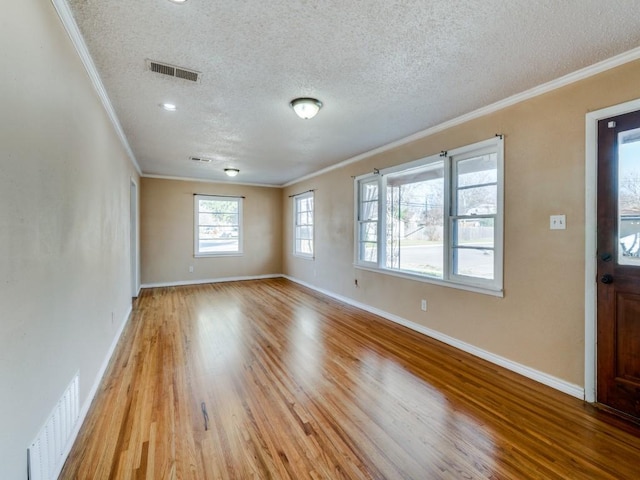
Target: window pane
<point>218,225</point>
<point>214,219</point>
<point>219,245</point>
<point>478,170</point>
<point>304,246</point>
<point>478,200</point>
<point>369,232</point>
<point>369,201</point>
<point>303,231</point>
<point>472,262</point>
<point>415,220</point>
<point>474,232</point>
<point>368,252</point>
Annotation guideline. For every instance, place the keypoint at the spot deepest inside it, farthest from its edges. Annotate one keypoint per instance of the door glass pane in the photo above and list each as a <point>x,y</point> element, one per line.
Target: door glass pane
<point>629,197</point>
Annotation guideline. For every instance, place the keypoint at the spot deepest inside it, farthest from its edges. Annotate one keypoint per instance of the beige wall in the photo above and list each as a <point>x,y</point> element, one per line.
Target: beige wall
<point>167,232</point>
<point>64,227</point>
<point>540,321</point>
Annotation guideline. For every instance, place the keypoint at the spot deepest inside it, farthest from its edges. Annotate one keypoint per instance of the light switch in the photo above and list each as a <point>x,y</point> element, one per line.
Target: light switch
<point>558,222</point>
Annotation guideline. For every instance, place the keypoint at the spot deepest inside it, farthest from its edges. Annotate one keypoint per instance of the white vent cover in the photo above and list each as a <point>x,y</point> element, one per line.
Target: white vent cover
<point>48,452</point>
<point>201,159</point>
<point>173,71</point>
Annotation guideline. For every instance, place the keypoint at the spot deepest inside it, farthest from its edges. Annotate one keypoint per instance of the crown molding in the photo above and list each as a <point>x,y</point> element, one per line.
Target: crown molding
<point>563,81</point>
<point>206,180</point>
<point>70,25</point>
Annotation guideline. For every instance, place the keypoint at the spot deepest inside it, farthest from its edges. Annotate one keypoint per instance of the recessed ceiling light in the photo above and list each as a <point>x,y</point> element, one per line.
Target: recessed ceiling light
<point>169,107</point>
<point>231,172</point>
<point>177,1</point>
<point>305,107</point>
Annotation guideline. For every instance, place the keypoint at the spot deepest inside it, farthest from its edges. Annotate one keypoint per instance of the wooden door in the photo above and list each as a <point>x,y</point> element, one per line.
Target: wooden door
<point>618,279</point>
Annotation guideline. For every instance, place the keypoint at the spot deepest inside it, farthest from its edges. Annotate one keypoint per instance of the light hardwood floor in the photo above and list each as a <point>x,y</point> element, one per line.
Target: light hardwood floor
<point>269,380</point>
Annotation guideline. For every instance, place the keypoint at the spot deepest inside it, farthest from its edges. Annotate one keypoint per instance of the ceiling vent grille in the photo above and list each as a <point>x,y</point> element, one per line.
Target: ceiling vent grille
<point>201,159</point>
<point>173,71</point>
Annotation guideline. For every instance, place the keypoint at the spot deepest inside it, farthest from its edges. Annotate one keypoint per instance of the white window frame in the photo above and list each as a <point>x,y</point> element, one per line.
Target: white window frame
<point>450,159</point>
<point>297,200</point>
<point>196,223</point>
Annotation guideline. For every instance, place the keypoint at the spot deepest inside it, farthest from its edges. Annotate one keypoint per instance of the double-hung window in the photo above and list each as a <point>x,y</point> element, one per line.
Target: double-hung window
<point>218,225</point>
<point>437,219</point>
<point>303,225</point>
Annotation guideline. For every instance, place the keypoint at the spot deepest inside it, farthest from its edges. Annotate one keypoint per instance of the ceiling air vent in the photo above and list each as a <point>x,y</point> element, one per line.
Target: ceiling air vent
<point>173,71</point>
<point>200,159</point>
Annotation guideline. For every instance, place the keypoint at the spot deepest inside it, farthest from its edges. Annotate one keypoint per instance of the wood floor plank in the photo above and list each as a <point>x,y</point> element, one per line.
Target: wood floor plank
<point>270,380</point>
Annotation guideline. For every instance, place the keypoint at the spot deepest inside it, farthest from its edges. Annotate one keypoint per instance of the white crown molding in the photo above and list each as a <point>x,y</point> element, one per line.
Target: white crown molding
<point>538,376</point>
<point>70,25</point>
<point>563,81</point>
<point>205,180</point>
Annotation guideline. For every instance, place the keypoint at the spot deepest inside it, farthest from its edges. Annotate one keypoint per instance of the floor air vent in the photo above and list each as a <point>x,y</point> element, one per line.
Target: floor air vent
<point>173,71</point>
<point>48,452</point>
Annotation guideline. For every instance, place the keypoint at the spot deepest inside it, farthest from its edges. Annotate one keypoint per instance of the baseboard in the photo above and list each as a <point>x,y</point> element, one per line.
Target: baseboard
<point>210,280</point>
<point>541,377</point>
<point>94,389</point>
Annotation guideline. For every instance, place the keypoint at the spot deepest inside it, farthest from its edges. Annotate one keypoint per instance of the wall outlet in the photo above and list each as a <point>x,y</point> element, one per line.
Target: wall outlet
<point>355,282</point>
<point>190,268</point>
<point>557,222</point>
<point>423,305</point>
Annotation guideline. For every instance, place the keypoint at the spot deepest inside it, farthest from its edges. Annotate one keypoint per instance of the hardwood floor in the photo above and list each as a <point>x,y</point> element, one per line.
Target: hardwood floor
<point>269,380</point>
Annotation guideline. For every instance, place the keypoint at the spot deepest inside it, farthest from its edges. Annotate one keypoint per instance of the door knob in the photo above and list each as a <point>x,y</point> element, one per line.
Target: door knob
<point>606,278</point>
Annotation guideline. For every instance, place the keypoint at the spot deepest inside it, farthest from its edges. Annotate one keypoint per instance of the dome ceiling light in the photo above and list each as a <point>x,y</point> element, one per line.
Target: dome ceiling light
<point>306,107</point>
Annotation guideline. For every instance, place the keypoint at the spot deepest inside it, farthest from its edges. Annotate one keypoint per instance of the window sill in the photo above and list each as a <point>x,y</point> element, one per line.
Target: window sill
<point>303,256</point>
<point>213,255</point>
<point>434,281</point>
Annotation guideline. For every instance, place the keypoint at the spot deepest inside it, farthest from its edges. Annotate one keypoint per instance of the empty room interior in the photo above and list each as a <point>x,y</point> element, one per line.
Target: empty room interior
<point>322,240</point>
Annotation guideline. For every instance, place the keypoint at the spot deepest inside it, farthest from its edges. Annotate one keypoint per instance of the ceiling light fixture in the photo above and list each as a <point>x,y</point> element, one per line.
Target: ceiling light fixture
<point>177,1</point>
<point>169,107</point>
<point>305,107</point>
<point>231,172</point>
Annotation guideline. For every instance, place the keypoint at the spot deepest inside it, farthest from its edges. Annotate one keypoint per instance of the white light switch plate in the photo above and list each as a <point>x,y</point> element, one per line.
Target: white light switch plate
<point>558,222</point>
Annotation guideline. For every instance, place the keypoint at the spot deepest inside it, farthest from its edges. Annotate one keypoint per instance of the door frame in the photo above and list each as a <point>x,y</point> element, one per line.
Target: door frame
<point>591,242</point>
<point>134,237</point>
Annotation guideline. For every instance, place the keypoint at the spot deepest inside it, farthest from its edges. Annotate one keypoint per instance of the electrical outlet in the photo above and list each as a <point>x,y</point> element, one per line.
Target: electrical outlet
<point>356,282</point>
<point>557,222</point>
<point>190,268</point>
<point>423,305</point>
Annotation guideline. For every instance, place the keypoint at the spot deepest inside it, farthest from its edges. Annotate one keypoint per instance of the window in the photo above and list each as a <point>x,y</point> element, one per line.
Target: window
<point>437,219</point>
<point>303,225</point>
<point>218,225</point>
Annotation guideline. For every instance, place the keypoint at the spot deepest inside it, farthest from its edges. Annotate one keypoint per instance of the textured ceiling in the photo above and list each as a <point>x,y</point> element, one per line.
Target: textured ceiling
<point>383,69</point>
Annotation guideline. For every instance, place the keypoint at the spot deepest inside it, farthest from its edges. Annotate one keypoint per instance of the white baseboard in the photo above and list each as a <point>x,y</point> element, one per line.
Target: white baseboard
<point>210,280</point>
<point>541,377</point>
<point>94,389</point>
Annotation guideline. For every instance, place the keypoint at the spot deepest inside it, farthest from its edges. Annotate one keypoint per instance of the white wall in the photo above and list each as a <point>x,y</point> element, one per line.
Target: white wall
<point>64,226</point>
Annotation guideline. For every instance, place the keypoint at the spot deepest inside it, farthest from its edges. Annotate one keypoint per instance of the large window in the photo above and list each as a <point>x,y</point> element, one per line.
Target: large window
<point>303,225</point>
<point>437,219</point>
<point>218,225</point>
